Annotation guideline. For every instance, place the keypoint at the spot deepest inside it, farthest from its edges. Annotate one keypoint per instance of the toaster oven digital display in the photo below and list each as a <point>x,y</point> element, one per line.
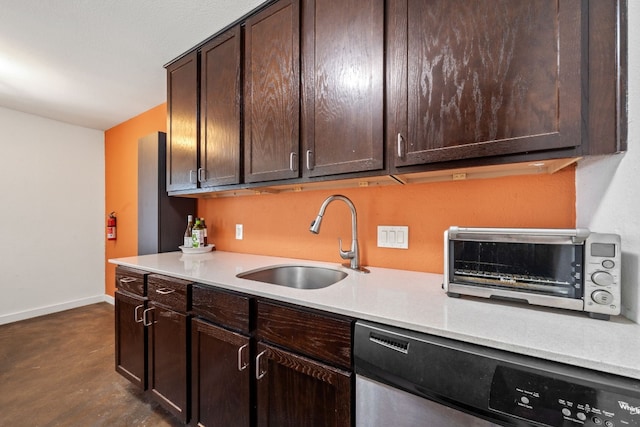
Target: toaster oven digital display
<point>603,249</point>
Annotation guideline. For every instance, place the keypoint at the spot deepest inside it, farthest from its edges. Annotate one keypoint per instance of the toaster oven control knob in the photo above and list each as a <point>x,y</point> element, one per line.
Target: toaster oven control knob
<point>602,297</point>
<point>602,278</point>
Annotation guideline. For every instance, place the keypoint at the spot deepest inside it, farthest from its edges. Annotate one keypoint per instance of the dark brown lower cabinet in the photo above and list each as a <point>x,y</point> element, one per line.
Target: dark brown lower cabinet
<point>131,338</point>
<point>219,358</point>
<point>168,355</point>
<point>296,391</point>
<point>221,375</point>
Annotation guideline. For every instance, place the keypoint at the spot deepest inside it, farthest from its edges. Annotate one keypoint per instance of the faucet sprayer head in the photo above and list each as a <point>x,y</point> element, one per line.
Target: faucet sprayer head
<point>315,225</point>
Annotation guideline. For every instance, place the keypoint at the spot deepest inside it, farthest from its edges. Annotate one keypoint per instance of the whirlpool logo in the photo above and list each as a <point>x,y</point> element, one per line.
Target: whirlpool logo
<point>633,410</point>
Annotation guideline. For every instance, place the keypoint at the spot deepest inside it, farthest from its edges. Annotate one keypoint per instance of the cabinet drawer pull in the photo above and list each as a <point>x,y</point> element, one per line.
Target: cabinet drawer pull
<point>125,280</point>
<point>309,160</point>
<point>165,291</point>
<point>191,174</point>
<point>260,375</point>
<point>201,174</point>
<point>292,162</point>
<point>145,321</point>
<point>400,146</point>
<point>242,366</point>
<point>136,317</point>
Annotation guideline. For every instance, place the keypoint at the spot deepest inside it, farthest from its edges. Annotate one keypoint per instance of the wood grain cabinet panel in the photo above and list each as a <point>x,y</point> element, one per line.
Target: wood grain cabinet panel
<point>168,355</point>
<point>229,309</point>
<point>303,367</point>
<point>131,281</point>
<point>272,94</point>
<point>469,79</point>
<point>343,87</point>
<point>131,338</point>
<point>220,94</point>
<point>182,123</point>
<point>130,332</point>
<point>297,391</point>
<point>168,335</point>
<point>318,335</point>
<point>170,292</point>
<point>221,376</point>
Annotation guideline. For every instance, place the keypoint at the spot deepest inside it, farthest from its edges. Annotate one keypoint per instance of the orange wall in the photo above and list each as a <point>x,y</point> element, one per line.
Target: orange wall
<point>277,224</point>
<point>121,168</point>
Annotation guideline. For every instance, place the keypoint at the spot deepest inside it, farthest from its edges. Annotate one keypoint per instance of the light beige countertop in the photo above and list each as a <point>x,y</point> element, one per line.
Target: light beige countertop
<point>415,301</point>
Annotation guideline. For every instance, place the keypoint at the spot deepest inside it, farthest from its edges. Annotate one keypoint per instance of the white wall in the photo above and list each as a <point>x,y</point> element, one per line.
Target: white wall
<point>51,216</point>
<point>608,188</point>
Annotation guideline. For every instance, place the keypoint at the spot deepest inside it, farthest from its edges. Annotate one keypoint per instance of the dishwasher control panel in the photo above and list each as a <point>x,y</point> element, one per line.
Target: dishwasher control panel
<point>551,401</point>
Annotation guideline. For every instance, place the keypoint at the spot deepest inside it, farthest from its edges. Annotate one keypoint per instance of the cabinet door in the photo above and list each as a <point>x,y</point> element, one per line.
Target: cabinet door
<point>343,49</point>
<point>220,376</point>
<point>220,110</point>
<point>168,355</point>
<point>272,100</point>
<point>182,123</point>
<point>296,391</point>
<point>476,78</point>
<point>131,338</point>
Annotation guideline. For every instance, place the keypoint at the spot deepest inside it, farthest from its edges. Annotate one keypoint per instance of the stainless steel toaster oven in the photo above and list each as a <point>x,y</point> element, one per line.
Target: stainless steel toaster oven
<point>565,268</point>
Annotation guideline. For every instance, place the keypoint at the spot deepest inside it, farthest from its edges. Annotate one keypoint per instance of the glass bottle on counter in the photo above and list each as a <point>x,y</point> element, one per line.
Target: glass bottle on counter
<point>197,234</point>
<point>188,239</point>
<point>205,231</point>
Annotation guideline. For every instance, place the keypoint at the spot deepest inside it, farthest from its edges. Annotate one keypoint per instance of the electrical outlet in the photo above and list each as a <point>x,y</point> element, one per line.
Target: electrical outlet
<point>396,236</point>
<point>239,232</point>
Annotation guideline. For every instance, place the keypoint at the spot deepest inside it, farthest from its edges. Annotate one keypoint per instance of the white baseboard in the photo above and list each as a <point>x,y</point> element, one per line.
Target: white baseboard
<point>41,311</point>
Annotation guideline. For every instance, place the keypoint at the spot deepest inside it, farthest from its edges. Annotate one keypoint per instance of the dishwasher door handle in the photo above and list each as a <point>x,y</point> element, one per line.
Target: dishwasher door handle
<point>393,343</point>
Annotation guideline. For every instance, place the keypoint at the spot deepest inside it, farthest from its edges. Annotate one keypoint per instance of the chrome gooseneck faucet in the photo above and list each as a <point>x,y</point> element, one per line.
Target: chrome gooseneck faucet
<point>353,254</point>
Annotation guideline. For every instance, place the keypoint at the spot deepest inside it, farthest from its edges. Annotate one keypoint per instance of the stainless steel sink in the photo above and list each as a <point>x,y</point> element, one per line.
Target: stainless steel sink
<point>295,276</point>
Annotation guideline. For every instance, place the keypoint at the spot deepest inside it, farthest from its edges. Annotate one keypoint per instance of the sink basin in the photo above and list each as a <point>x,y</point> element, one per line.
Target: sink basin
<point>295,276</point>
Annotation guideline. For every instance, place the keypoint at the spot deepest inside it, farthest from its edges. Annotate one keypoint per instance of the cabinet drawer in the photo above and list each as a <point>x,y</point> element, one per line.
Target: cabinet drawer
<point>131,280</point>
<point>170,292</point>
<point>319,335</point>
<point>227,309</point>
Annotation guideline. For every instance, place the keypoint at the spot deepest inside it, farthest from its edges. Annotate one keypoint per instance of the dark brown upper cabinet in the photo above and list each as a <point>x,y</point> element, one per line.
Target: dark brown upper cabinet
<point>272,93</point>
<point>203,115</point>
<point>474,79</point>
<point>182,123</point>
<point>362,88</point>
<point>343,86</point>
<point>220,101</point>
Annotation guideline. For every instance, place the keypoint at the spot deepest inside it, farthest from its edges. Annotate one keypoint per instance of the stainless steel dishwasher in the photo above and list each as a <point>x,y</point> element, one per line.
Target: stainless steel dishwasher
<point>406,378</point>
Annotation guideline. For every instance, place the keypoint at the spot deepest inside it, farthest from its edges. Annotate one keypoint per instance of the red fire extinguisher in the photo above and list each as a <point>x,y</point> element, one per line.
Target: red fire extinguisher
<point>111,226</point>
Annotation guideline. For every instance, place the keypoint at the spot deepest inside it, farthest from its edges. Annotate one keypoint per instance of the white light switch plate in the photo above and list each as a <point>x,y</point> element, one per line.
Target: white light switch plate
<point>239,232</point>
<point>393,236</point>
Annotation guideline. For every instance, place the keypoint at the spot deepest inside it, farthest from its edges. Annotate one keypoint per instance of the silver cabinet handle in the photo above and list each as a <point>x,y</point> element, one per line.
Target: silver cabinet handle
<point>309,162</point>
<point>136,317</point>
<point>191,174</point>
<point>165,291</point>
<point>125,280</point>
<point>292,162</point>
<point>400,146</point>
<point>242,366</point>
<point>145,321</point>
<point>260,375</point>
<point>201,174</point>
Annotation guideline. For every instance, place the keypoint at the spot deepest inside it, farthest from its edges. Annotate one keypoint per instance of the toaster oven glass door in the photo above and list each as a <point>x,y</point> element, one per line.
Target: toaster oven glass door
<point>547,269</point>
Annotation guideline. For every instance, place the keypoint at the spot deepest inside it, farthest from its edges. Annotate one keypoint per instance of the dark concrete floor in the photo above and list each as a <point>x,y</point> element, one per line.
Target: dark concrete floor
<point>58,370</point>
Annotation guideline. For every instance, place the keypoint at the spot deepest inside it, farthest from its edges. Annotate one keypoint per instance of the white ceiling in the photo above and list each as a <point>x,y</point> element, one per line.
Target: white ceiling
<point>97,63</point>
